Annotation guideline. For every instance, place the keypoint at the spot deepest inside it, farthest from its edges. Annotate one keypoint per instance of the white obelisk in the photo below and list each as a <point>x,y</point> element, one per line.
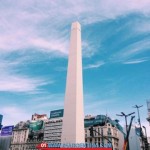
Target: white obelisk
<point>73,120</point>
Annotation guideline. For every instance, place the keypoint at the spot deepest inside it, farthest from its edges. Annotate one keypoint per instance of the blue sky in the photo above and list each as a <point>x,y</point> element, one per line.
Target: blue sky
<point>34,42</point>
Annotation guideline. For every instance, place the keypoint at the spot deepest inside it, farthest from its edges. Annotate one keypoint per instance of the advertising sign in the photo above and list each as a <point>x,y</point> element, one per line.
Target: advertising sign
<point>7,130</point>
<point>56,113</point>
<point>36,125</point>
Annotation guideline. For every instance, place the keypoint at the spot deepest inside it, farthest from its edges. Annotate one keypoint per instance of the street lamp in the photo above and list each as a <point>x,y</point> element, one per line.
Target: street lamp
<point>124,115</point>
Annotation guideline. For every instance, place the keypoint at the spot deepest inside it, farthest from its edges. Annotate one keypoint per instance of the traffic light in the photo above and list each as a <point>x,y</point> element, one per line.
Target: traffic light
<point>91,131</point>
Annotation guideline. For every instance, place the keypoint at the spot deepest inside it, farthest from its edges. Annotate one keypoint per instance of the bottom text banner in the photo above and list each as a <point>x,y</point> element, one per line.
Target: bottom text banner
<point>75,148</point>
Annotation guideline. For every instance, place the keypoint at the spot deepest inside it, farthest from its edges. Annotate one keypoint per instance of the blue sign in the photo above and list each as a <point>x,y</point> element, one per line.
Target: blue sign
<point>56,113</point>
<point>7,130</point>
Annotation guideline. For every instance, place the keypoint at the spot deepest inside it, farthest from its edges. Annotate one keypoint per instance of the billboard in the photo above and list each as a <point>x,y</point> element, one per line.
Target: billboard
<point>7,130</point>
<point>57,113</point>
<point>36,125</point>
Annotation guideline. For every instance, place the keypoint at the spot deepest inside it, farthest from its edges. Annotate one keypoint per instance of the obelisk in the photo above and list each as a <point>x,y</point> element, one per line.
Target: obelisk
<point>73,119</point>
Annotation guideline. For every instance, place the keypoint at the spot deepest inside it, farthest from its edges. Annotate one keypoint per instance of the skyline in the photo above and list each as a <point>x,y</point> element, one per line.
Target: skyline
<point>34,44</point>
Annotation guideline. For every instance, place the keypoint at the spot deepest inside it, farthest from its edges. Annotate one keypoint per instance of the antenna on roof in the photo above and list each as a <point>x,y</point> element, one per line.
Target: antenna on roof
<point>106,117</point>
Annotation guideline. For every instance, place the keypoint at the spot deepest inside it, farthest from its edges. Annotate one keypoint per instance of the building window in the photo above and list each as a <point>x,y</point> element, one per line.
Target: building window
<point>90,140</point>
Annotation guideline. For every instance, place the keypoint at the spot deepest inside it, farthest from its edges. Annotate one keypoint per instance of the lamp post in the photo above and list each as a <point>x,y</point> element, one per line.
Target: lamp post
<point>124,115</point>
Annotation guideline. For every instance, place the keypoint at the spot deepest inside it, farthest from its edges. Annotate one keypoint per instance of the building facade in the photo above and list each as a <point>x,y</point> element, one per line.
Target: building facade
<point>53,130</point>
<point>19,137</point>
<point>27,135</point>
<point>106,132</point>
<point>53,127</point>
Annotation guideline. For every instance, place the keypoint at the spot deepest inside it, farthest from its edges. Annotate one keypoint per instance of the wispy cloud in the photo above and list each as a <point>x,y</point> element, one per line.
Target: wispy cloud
<point>89,49</point>
<point>11,81</point>
<point>131,50</point>
<point>51,45</point>
<point>12,115</point>
<point>15,83</point>
<point>94,65</point>
<point>32,24</point>
<point>136,48</point>
<point>137,61</point>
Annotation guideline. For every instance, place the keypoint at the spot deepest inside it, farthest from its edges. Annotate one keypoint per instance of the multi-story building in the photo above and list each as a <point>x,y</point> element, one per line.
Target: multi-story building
<point>53,127</point>
<point>105,131</point>
<point>19,136</point>
<point>53,130</point>
<point>27,135</point>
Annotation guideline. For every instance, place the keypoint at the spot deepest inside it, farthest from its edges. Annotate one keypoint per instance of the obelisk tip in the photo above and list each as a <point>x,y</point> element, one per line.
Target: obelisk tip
<point>76,25</point>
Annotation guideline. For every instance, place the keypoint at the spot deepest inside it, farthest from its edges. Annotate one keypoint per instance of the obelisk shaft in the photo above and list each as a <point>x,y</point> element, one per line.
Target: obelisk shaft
<point>73,120</point>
